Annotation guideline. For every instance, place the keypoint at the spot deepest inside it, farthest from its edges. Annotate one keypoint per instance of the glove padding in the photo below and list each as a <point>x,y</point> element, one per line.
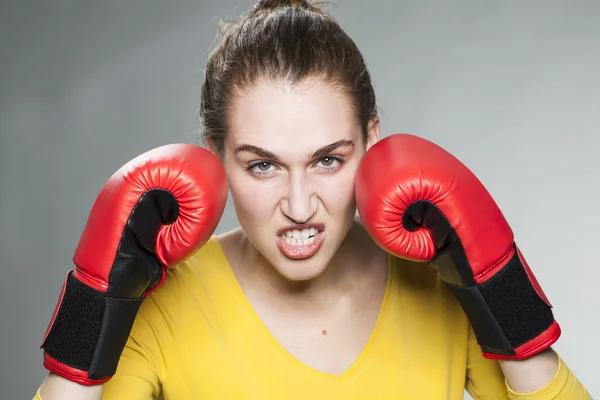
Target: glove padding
<point>419,202</point>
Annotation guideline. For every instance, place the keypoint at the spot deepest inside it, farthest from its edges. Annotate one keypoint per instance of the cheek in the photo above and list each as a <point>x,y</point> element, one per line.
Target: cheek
<point>252,201</point>
<point>337,193</point>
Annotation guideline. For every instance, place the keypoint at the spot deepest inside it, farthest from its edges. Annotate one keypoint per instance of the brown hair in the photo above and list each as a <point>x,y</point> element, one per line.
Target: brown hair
<point>281,40</point>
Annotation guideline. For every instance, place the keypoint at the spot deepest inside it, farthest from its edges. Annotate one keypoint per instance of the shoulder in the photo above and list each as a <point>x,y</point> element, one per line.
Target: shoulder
<point>208,257</point>
<point>202,271</point>
<point>426,308</point>
<point>422,292</point>
<point>416,275</point>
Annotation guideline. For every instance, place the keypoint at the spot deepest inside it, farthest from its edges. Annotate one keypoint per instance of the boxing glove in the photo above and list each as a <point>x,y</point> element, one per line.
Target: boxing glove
<point>153,213</point>
<point>419,202</point>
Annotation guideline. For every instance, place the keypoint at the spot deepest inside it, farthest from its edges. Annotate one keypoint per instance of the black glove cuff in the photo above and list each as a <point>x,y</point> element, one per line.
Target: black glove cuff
<point>90,329</point>
<point>505,311</point>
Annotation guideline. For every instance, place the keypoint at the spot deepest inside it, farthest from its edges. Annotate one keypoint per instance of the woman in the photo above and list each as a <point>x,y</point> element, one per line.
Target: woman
<point>300,301</point>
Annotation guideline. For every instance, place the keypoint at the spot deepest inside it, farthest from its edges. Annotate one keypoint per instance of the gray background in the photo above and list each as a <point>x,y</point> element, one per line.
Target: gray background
<point>512,88</point>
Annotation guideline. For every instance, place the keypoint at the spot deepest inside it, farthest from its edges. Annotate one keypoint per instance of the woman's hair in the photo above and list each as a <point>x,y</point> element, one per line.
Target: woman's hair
<point>281,41</point>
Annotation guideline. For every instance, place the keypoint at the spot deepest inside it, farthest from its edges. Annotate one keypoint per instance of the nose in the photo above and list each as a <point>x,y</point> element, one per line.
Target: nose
<point>300,202</point>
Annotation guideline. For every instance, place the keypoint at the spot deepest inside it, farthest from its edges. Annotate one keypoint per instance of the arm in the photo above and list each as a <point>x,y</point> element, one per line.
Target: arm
<point>543,376</point>
<point>142,362</point>
<point>430,207</point>
<point>56,387</point>
<point>154,212</point>
<point>532,374</point>
<point>529,379</point>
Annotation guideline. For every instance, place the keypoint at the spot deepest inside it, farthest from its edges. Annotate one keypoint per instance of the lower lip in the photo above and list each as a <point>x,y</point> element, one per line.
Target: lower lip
<point>300,252</point>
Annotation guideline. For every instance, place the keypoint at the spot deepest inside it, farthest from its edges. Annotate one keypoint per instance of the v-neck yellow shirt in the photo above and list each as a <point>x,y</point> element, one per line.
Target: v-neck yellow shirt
<point>197,337</point>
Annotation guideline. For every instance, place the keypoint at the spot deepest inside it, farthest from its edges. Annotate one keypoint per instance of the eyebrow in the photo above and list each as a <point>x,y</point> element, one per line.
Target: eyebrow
<point>322,152</point>
<point>256,150</point>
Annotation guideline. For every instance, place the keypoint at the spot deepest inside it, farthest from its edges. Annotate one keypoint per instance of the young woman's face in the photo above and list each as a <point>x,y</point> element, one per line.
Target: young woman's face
<point>291,155</point>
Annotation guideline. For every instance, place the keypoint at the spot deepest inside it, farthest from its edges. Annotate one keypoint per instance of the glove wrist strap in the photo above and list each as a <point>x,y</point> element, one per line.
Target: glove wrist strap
<point>506,313</point>
<point>89,331</point>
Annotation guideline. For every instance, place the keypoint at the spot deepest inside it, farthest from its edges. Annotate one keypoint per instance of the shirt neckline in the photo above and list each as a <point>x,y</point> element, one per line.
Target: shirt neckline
<point>282,352</point>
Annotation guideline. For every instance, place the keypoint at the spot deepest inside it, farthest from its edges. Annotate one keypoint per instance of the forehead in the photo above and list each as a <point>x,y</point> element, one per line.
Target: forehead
<point>302,117</point>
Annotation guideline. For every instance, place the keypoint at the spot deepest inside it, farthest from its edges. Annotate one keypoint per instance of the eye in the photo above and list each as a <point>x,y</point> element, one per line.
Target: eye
<point>263,166</point>
<point>327,161</point>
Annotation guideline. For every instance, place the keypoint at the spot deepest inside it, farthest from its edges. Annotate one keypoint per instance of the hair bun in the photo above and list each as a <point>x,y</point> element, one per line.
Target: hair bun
<point>263,6</point>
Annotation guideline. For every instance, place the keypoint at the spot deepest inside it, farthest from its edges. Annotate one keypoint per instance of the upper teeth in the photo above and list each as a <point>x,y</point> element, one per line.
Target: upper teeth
<point>303,234</point>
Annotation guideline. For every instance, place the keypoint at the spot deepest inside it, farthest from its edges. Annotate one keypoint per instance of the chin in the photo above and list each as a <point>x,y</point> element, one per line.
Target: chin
<point>300,270</point>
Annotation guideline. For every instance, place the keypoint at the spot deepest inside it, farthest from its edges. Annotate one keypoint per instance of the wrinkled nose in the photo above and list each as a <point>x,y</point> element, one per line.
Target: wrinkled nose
<point>300,202</point>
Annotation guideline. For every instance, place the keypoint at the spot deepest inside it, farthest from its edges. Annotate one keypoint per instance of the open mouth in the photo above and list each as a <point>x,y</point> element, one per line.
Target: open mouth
<point>296,237</point>
<point>302,243</point>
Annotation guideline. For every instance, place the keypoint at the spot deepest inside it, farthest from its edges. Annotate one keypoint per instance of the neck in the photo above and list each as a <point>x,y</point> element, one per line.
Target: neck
<point>357,260</point>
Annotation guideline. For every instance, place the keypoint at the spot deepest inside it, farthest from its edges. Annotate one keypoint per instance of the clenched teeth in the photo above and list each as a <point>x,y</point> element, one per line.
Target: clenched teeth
<point>296,237</point>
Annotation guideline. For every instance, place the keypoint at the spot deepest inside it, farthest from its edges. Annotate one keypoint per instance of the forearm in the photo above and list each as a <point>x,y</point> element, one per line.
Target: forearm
<point>531,374</point>
<point>56,387</point>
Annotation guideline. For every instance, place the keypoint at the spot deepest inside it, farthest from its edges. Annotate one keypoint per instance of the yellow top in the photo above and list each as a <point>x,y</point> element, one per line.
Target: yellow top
<point>197,337</point>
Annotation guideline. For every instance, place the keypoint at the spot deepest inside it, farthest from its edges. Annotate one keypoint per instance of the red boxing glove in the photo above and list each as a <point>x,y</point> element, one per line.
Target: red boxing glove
<point>419,202</point>
<point>154,212</point>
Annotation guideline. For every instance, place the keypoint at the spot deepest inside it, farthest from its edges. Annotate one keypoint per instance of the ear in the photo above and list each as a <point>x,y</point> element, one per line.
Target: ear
<point>210,146</point>
<point>373,132</point>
